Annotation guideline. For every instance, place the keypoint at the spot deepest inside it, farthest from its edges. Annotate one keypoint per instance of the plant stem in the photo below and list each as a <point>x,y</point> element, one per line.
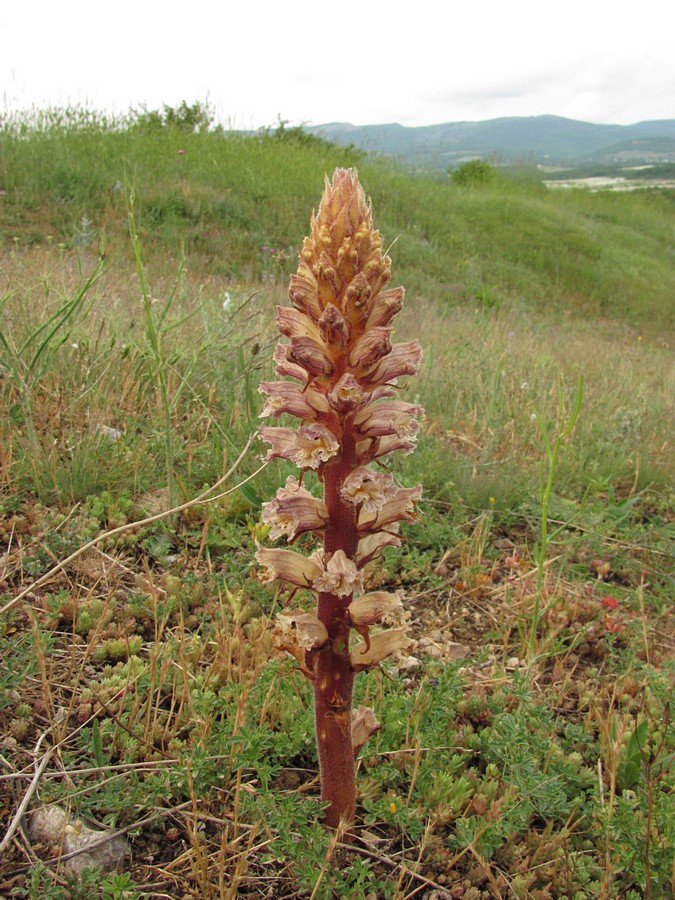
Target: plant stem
<point>563,428</point>
<point>333,686</point>
<point>153,338</point>
<point>334,678</point>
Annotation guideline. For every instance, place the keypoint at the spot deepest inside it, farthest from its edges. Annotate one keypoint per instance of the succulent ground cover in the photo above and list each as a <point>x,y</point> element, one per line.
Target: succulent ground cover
<point>141,690</point>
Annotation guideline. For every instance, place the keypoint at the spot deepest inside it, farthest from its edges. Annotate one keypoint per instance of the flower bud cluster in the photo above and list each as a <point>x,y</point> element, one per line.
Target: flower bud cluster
<point>340,369</point>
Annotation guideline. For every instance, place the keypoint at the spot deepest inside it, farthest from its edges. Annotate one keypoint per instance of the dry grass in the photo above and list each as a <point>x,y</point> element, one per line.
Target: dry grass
<point>140,688</point>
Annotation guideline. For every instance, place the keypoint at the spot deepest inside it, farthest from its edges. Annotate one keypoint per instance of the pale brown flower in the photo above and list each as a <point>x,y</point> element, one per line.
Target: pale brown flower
<point>370,449</point>
<point>288,397</point>
<point>285,367</point>
<point>311,355</point>
<point>308,447</point>
<point>385,307</point>
<point>389,417</point>
<point>285,565</point>
<point>369,350</point>
<point>303,293</point>
<point>339,576</point>
<point>299,629</point>
<point>403,359</point>
<point>364,724</point>
<point>371,544</point>
<point>382,645</point>
<point>347,394</point>
<point>294,511</point>
<point>333,328</point>
<point>377,608</point>
<point>400,506</point>
<point>369,489</point>
<point>357,300</point>
<point>293,323</point>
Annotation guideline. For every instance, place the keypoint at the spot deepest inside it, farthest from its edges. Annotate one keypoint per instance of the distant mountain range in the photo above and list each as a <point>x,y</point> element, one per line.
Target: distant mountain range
<point>537,139</point>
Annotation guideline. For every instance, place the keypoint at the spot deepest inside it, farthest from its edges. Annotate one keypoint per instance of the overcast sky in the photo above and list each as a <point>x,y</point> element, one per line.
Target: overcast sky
<point>416,63</point>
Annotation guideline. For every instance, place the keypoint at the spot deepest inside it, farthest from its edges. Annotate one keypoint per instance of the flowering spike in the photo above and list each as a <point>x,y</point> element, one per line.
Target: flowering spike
<point>343,367</point>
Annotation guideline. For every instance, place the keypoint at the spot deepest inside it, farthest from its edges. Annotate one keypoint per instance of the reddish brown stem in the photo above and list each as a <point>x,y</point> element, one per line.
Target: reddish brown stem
<point>334,679</point>
<point>333,685</point>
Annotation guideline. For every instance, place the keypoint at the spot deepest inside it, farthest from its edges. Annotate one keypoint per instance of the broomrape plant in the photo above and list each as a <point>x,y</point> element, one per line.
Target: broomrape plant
<point>343,369</point>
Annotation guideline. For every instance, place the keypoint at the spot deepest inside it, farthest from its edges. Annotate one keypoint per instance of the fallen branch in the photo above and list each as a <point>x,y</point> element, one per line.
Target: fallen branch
<point>32,787</point>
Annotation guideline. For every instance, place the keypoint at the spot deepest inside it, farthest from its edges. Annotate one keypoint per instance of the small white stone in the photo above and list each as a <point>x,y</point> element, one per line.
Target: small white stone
<point>54,826</point>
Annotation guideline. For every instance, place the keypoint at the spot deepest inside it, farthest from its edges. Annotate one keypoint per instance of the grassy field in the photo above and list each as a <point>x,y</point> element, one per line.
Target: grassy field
<point>526,748</point>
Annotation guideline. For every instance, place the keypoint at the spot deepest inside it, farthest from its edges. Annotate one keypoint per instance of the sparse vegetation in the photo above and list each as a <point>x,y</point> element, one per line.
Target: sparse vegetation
<point>139,678</point>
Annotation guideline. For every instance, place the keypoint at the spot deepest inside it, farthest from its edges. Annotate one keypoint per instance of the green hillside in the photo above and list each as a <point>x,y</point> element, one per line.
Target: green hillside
<point>223,197</point>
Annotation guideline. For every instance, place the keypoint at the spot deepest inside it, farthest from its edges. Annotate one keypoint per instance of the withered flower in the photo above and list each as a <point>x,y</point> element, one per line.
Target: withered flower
<point>364,724</point>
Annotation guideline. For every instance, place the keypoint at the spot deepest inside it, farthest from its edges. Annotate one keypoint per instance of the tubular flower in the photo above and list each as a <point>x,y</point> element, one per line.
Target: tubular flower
<point>364,724</point>
<point>285,367</point>
<point>377,608</point>
<point>385,307</point>
<point>401,505</point>
<point>380,647</point>
<point>370,545</point>
<point>389,417</point>
<point>308,447</point>
<point>294,511</point>
<point>288,566</point>
<point>311,356</point>
<point>374,448</point>
<point>293,324</point>
<point>297,633</point>
<point>287,397</point>
<point>369,489</point>
<point>301,629</point>
<point>339,577</point>
<point>339,372</point>
<point>370,348</point>
<point>402,360</point>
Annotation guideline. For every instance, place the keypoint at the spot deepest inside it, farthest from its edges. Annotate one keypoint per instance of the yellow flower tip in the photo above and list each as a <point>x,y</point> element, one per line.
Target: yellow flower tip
<point>343,243</point>
<point>392,807</point>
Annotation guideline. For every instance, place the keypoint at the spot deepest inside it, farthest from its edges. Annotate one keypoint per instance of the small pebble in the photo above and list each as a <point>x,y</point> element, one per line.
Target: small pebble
<point>53,825</point>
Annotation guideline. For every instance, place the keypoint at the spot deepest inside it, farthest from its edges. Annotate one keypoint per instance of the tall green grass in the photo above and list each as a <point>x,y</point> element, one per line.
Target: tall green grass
<point>225,196</point>
<point>510,286</point>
